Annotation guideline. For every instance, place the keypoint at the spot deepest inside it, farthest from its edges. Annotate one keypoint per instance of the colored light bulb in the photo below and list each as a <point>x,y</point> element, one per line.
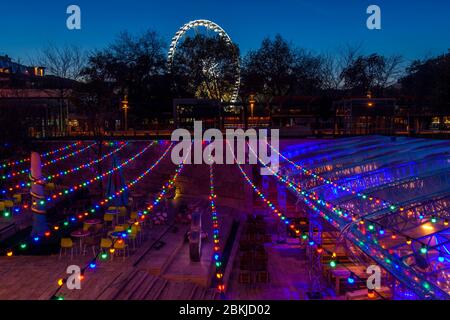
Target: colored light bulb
<point>351,279</point>
<point>423,249</point>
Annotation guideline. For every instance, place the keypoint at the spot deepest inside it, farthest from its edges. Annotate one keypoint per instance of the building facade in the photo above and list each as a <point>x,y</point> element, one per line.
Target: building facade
<point>32,101</point>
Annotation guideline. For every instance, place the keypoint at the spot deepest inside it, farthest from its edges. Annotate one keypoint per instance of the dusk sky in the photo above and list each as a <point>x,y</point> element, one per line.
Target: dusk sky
<point>414,28</point>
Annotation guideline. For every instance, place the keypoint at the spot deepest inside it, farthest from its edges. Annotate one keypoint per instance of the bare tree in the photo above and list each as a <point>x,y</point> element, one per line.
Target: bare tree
<point>334,65</point>
<point>393,70</point>
<point>66,63</point>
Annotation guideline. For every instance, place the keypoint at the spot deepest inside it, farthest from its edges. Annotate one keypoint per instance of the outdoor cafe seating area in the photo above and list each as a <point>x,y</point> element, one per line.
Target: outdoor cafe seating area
<point>119,232</point>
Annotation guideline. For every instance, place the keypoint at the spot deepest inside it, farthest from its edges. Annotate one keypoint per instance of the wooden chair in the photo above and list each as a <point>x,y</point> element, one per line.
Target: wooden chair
<point>109,220</point>
<point>17,198</point>
<point>105,244</point>
<point>135,235</point>
<point>66,244</point>
<point>120,246</point>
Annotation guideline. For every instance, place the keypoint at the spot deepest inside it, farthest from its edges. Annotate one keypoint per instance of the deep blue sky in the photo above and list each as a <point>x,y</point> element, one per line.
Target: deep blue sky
<point>414,28</point>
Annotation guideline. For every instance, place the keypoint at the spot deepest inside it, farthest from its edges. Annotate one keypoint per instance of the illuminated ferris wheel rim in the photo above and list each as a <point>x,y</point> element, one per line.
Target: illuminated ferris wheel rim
<point>217,29</point>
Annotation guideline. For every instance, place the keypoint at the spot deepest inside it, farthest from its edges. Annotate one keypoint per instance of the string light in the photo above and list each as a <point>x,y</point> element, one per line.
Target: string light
<point>87,164</point>
<point>315,176</point>
<point>336,210</point>
<point>103,255</point>
<point>106,200</point>
<point>165,188</point>
<point>24,160</point>
<point>68,171</point>
<point>216,237</point>
<point>351,279</point>
<point>86,183</point>
<point>377,252</point>
<point>47,163</point>
<point>423,249</point>
<point>271,206</point>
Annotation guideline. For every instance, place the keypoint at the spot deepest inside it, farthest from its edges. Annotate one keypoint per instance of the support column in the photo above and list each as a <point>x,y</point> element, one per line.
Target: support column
<point>37,196</point>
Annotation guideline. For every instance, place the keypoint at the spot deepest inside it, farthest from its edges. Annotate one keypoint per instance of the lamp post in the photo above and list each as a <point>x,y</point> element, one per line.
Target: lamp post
<point>252,104</point>
<point>125,108</point>
<point>251,101</point>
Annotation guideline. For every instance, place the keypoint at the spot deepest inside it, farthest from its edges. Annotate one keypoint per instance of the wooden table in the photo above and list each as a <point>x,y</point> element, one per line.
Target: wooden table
<point>80,234</point>
<point>93,223</point>
<point>115,213</point>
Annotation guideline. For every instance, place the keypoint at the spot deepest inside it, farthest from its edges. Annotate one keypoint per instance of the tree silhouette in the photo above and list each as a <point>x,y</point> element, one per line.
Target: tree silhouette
<point>205,67</point>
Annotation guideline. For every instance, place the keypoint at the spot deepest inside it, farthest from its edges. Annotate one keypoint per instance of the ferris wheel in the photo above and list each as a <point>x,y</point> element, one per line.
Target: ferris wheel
<point>209,25</point>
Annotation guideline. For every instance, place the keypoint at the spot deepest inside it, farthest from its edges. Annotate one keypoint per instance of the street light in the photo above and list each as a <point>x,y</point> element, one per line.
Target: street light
<point>125,108</point>
<point>252,101</point>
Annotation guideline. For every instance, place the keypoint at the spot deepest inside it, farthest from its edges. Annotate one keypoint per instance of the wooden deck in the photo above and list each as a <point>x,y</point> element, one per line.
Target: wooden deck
<point>149,273</point>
